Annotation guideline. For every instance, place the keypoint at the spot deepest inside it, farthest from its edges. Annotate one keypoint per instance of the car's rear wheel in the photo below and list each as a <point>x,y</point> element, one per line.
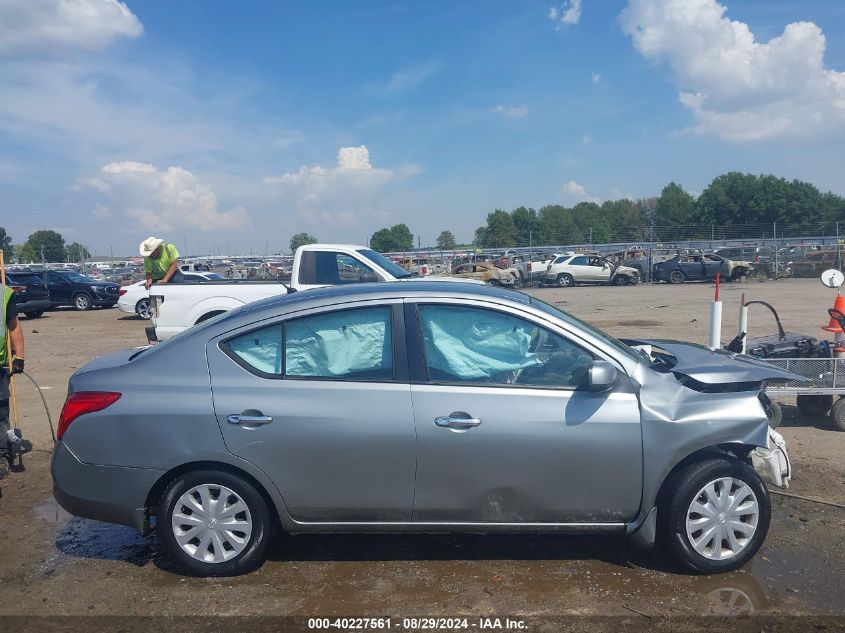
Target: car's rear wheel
<point>715,515</point>
<point>82,301</point>
<point>565,280</point>
<point>34,314</point>
<point>677,277</point>
<point>142,308</point>
<point>214,523</point>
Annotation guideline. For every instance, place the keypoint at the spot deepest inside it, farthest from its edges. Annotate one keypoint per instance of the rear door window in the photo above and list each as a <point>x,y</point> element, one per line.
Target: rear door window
<point>351,344</point>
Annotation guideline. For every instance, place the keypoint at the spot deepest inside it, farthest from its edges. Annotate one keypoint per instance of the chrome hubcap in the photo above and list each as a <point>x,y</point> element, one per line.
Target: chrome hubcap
<point>144,309</point>
<point>722,518</point>
<point>211,523</point>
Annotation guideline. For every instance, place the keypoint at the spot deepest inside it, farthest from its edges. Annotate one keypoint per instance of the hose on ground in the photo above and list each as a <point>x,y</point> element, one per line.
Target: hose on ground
<point>46,408</point>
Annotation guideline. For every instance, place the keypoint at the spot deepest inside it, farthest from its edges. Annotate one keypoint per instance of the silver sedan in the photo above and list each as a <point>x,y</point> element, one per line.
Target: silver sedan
<point>432,406</point>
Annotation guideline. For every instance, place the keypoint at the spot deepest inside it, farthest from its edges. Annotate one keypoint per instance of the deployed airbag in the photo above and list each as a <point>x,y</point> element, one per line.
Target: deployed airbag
<point>475,344</point>
<point>341,343</point>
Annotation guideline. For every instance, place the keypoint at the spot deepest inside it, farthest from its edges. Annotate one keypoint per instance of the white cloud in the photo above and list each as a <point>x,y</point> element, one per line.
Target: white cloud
<point>343,193</point>
<point>55,25</point>
<point>567,14</point>
<point>90,183</point>
<point>101,211</point>
<point>128,167</point>
<point>578,192</point>
<point>163,200</point>
<point>404,80</point>
<point>736,87</point>
<point>512,112</point>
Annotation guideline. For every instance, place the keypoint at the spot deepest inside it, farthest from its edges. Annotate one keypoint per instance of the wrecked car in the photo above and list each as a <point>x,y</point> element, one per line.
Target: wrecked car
<point>486,272</point>
<point>568,270</point>
<point>699,267</point>
<point>431,406</point>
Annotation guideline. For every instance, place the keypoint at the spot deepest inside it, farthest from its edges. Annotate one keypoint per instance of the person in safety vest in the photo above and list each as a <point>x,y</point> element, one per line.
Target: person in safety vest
<point>10,332</point>
<point>161,262</point>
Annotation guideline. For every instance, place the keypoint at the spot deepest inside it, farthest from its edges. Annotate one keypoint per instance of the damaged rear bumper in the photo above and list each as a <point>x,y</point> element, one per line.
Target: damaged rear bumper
<point>772,463</point>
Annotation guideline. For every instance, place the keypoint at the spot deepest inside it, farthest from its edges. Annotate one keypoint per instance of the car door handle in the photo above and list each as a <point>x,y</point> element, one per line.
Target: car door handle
<point>456,423</point>
<point>248,420</point>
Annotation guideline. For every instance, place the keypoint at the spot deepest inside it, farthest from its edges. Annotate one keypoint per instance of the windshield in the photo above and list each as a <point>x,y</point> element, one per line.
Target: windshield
<point>395,270</point>
<point>599,334</point>
<point>77,278</point>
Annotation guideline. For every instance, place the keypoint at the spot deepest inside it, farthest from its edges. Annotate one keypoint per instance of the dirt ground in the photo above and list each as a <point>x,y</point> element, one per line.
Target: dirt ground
<point>53,564</point>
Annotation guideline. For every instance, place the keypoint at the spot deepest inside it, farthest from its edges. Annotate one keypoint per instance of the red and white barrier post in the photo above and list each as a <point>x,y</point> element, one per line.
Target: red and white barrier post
<point>714,338</point>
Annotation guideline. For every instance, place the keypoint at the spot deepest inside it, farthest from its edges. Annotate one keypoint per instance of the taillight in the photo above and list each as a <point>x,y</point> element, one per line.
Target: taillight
<point>122,292</point>
<point>529,267</point>
<point>83,402</point>
<point>18,288</point>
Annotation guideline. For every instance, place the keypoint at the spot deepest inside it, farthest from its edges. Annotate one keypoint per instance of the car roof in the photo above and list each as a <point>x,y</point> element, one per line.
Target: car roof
<point>387,290</point>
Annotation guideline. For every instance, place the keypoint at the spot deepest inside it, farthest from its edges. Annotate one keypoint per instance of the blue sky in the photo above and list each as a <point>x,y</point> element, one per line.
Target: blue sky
<point>242,123</point>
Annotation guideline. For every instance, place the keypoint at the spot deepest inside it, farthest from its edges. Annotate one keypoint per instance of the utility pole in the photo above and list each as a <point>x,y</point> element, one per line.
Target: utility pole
<point>186,246</point>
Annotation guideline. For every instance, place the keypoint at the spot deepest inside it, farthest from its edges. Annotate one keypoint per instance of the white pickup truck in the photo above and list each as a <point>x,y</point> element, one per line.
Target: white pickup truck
<point>176,307</point>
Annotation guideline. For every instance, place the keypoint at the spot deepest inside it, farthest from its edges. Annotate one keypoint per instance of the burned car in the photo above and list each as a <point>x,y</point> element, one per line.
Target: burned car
<point>426,406</point>
<point>486,272</point>
<point>699,267</point>
<point>568,270</point>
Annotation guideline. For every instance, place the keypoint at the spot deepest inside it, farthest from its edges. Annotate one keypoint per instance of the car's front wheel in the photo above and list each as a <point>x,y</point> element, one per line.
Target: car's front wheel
<point>714,515</point>
<point>214,523</point>
<point>34,314</point>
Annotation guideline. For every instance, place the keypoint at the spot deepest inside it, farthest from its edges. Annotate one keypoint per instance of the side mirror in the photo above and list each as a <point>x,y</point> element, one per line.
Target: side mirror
<point>602,376</point>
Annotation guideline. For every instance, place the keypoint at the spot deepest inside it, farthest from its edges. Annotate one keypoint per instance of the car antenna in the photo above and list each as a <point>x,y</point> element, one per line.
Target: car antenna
<point>290,289</point>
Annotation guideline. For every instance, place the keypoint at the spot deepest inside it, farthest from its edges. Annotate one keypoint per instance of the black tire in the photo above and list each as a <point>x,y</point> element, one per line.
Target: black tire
<point>142,308</point>
<point>565,280</point>
<point>676,277</point>
<point>34,314</point>
<point>814,406</point>
<point>837,414</point>
<point>82,301</point>
<point>253,553</point>
<point>679,493</point>
<point>776,415</point>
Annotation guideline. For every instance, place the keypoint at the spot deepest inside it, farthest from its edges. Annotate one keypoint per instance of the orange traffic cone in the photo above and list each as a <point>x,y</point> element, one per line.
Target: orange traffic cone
<point>834,326</point>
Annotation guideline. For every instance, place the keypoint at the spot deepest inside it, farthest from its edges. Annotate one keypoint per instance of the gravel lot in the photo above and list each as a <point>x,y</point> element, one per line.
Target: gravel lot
<point>55,564</point>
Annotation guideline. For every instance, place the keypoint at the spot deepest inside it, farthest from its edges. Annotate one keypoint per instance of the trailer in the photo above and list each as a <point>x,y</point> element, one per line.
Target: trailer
<point>822,390</point>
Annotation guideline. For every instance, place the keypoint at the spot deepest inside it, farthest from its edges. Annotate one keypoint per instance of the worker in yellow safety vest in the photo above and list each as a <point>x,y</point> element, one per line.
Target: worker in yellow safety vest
<point>10,331</point>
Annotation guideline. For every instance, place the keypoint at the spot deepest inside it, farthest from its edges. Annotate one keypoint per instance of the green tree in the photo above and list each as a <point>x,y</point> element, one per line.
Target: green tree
<point>403,239</point>
<point>397,238</point>
<point>45,244</point>
<point>301,239</point>
<point>5,244</point>
<point>446,241</point>
<point>675,208</point>
<point>559,226</point>
<point>76,252</point>
<point>499,232</point>
<point>530,230</point>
